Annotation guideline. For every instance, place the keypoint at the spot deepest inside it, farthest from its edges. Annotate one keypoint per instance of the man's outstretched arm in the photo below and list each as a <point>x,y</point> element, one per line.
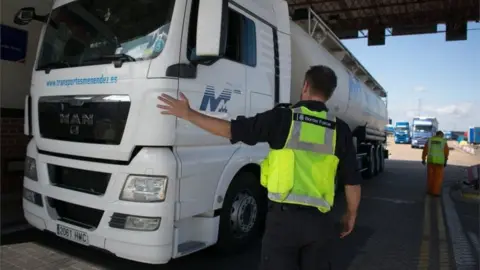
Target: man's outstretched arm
<point>213,125</point>
<point>263,127</point>
<point>181,108</point>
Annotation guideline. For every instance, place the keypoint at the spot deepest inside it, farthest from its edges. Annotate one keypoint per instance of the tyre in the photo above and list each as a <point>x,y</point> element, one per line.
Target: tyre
<point>376,156</point>
<point>381,168</point>
<point>242,218</point>
<point>370,171</point>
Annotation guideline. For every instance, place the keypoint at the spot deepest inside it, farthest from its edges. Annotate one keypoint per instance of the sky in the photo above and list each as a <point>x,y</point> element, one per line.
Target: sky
<point>444,77</point>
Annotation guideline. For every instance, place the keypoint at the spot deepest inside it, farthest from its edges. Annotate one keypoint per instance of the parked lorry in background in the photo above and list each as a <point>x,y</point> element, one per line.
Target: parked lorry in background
<point>104,168</point>
<point>456,134</point>
<point>448,135</point>
<point>389,129</point>
<point>474,135</point>
<point>422,129</point>
<point>402,132</point>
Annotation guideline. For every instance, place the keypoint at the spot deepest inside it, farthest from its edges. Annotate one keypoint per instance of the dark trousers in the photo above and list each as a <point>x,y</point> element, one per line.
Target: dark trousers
<point>297,237</point>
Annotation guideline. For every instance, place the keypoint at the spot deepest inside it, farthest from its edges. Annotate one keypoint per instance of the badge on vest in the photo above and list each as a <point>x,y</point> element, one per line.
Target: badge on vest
<point>314,120</point>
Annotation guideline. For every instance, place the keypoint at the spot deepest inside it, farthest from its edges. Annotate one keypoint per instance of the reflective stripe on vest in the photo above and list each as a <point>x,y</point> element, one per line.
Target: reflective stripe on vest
<point>435,151</point>
<point>301,199</point>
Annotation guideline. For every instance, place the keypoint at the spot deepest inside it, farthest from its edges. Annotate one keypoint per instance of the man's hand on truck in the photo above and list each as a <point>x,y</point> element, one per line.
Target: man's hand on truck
<point>181,108</point>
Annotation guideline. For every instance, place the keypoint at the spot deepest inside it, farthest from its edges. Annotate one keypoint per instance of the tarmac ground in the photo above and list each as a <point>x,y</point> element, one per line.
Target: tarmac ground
<point>398,227</point>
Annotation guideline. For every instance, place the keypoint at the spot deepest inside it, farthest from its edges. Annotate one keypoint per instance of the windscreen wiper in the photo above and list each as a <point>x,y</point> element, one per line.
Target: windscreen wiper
<point>53,65</point>
<point>117,59</point>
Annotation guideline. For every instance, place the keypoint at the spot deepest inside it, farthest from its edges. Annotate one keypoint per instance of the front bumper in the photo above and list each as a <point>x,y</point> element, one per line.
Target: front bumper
<point>402,139</point>
<point>154,247</point>
<point>418,144</point>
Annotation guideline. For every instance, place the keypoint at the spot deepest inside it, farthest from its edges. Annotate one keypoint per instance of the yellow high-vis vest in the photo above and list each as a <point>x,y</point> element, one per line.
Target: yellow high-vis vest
<point>435,151</point>
<point>303,171</point>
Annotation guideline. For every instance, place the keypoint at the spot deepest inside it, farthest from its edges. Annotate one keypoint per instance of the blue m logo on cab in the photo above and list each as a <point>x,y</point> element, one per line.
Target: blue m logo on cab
<point>215,104</point>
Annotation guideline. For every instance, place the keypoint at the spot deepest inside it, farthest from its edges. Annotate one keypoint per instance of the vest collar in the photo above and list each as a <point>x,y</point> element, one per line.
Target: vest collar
<point>312,105</point>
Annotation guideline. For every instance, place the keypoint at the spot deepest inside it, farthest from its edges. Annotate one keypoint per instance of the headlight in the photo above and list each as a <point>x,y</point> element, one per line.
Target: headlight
<point>137,223</point>
<point>32,196</point>
<point>144,189</point>
<point>141,223</point>
<point>30,170</point>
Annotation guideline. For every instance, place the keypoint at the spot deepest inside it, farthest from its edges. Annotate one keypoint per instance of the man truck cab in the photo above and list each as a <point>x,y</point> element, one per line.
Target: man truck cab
<point>402,132</point>
<point>101,169</point>
<point>423,129</point>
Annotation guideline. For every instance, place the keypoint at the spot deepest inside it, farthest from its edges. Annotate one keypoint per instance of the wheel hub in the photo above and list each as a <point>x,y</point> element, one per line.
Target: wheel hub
<point>243,213</point>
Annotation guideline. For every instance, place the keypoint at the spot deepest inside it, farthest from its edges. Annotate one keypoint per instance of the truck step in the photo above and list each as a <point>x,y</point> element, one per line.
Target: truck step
<point>190,247</point>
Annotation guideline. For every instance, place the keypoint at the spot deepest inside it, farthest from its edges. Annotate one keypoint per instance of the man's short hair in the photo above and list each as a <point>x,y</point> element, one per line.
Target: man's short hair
<point>439,133</point>
<point>322,80</point>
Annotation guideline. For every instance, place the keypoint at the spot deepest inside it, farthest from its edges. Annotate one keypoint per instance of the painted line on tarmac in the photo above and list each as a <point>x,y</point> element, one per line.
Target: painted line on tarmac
<point>471,196</point>
<point>390,200</point>
<point>424,258</point>
<point>475,242</point>
<point>462,251</point>
<point>444,256</point>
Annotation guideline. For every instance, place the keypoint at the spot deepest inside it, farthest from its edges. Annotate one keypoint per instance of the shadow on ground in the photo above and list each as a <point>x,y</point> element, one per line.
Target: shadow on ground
<point>347,248</point>
<point>388,230</point>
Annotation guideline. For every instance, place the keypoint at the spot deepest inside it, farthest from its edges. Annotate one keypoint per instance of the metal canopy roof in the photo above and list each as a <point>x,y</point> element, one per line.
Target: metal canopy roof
<point>405,17</point>
<point>343,19</point>
<point>319,30</point>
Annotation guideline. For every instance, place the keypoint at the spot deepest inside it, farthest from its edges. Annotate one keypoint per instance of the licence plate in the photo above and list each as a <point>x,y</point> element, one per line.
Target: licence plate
<point>72,234</point>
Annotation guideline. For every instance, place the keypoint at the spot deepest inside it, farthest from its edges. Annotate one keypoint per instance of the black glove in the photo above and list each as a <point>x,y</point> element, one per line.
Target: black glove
<point>423,162</point>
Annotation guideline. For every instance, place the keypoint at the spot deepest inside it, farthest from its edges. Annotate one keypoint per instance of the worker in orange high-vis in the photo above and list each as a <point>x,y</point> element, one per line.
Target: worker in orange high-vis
<point>436,152</point>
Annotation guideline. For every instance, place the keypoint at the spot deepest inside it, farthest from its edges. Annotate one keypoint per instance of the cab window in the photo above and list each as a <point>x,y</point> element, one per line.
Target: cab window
<point>241,44</point>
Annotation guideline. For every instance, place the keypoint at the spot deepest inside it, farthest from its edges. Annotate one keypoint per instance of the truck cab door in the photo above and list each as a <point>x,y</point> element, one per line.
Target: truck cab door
<point>217,89</point>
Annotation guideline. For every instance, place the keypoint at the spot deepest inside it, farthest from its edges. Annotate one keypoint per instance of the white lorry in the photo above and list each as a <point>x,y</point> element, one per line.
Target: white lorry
<point>104,168</point>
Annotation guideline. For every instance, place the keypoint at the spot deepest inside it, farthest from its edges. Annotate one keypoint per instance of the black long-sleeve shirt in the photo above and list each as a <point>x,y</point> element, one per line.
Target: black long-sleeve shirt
<point>273,127</point>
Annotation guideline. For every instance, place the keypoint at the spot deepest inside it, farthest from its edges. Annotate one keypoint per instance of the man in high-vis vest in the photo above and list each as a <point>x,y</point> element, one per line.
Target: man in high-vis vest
<point>436,153</point>
<point>309,149</point>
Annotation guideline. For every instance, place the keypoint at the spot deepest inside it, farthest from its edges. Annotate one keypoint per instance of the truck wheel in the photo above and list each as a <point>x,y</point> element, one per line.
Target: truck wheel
<point>242,217</point>
<point>377,160</point>
<point>382,159</point>
<point>370,171</point>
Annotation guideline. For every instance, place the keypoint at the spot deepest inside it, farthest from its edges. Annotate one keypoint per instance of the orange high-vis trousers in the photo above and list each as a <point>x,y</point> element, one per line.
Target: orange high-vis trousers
<point>434,179</point>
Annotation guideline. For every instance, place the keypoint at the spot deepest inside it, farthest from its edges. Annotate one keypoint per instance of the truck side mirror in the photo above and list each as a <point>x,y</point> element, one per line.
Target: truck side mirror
<point>212,26</point>
<point>24,16</point>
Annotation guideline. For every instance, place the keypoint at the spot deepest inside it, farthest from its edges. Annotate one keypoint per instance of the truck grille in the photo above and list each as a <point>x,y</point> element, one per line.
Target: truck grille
<point>87,119</point>
<point>79,180</point>
<point>421,142</point>
<point>77,215</point>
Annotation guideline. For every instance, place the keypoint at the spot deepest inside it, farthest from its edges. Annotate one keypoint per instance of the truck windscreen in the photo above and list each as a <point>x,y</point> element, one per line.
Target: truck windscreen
<point>399,129</point>
<point>422,128</point>
<point>92,32</point>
